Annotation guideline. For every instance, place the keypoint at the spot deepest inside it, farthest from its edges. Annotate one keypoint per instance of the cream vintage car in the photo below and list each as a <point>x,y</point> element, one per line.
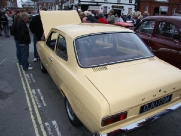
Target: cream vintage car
<point>111,81</point>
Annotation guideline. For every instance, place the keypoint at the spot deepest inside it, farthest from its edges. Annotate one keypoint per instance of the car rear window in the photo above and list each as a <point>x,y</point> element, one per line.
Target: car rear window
<point>109,48</point>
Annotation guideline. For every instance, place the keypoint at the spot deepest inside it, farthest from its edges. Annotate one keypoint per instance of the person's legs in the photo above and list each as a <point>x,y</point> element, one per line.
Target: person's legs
<point>4,28</point>
<point>18,52</point>
<point>0,29</point>
<point>35,39</point>
<point>25,56</point>
<point>7,31</point>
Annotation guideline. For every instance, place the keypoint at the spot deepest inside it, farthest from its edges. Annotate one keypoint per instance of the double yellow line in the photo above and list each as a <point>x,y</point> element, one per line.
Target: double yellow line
<point>30,99</point>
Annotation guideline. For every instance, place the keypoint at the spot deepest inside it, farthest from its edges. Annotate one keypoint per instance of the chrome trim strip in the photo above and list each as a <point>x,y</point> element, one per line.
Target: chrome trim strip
<point>145,121</point>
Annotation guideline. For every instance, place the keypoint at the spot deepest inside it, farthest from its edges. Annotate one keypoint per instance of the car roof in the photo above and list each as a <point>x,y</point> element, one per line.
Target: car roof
<point>175,19</point>
<point>76,30</point>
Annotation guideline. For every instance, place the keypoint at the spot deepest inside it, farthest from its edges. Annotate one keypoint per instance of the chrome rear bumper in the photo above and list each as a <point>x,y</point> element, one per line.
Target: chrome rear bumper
<point>142,122</point>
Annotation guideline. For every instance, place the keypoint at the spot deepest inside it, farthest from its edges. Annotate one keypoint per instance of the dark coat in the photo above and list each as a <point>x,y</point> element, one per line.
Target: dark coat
<point>4,19</point>
<point>36,26</point>
<point>23,33</point>
<point>14,30</point>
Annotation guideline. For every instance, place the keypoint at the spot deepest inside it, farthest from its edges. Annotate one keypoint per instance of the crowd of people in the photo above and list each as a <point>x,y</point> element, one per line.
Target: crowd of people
<point>111,17</point>
<point>18,25</point>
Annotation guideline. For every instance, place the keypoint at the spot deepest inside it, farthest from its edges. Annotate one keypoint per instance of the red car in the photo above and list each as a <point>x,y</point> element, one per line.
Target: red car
<point>163,35</point>
<point>124,24</point>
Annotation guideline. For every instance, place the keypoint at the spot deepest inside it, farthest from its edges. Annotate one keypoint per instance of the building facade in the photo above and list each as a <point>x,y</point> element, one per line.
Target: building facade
<point>8,3</point>
<point>160,7</point>
<point>119,6</point>
<point>40,4</point>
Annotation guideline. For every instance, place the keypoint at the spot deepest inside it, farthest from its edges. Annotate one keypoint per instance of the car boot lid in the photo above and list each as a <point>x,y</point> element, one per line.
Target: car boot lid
<point>51,19</point>
<point>132,85</point>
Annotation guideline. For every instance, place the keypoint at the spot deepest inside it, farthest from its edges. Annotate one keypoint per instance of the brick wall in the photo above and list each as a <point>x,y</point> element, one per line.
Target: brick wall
<point>154,6</point>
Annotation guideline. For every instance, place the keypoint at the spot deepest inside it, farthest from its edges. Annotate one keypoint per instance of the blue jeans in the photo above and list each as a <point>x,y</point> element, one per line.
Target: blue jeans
<point>6,29</point>
<point>35,39</point>
<point>24,56</point>
<point>18,52</point>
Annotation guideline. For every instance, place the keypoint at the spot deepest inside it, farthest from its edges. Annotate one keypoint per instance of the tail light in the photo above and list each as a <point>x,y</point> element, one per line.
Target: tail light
<point>115,118</point>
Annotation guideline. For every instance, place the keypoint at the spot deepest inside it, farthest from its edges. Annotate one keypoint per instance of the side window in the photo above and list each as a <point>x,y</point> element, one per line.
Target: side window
<point>146,27</point>
<point>168,30</point>
<point>61,49</point>
<point>51,41</point>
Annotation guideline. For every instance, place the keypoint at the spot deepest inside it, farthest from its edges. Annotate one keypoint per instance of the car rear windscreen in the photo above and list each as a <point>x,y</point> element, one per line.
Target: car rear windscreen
<point>109,48</point>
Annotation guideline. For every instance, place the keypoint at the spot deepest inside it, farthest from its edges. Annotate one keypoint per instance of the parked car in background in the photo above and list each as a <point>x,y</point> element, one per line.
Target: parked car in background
<point>163,35</point>
<point>112,83</point>
<point>124,24</point>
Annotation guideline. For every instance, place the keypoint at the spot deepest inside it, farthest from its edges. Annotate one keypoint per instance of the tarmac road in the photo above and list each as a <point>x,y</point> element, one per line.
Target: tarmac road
<point>31,104</point>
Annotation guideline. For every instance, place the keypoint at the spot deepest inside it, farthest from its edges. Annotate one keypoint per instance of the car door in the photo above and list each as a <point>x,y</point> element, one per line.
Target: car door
<point>145,30</point>
<point>48,51</point>
<point>166,43</point>
<point>59,61</point>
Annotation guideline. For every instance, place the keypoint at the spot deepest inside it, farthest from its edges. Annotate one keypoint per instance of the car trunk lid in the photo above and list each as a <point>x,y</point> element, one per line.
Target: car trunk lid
<point>132,85</point>
<point>51,19</point>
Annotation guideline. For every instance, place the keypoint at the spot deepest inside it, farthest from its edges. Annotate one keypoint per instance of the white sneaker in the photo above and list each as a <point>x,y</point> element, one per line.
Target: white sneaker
<point>30,68</point>
<point>35,59</point>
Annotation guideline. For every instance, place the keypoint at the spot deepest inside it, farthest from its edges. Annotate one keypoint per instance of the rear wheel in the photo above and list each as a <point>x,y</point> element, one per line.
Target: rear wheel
<point>71,115</point>
<point>43,70</point>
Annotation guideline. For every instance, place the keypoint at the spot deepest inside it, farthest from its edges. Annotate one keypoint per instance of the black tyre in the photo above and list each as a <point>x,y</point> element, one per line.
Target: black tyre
<point>43,70</point>
<point>71,115</point>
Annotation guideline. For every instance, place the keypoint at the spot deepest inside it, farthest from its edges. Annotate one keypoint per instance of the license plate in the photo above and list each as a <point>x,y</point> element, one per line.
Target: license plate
<point>155,104</point>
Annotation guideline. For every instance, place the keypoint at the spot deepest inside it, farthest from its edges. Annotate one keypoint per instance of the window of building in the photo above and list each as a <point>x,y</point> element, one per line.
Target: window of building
<point>146,8</point>
<point>129,10</point>
<point>40,7</point>
<point>130,1</point>
<point>173,11</point>
<point>105,10</point>
<point>118,1</point>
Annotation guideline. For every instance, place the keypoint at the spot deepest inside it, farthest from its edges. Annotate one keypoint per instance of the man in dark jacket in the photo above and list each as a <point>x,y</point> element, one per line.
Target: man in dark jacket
<point>13,32</point>
<point>36,28</point>
<point>4,22</point>
<point>24,40</point>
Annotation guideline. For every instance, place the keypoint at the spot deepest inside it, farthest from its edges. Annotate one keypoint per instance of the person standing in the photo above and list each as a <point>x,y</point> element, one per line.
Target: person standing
<point>101,18</point>
<point>111,17</point>
<point>36,28</point>
<point>24,40</point>
<point>145,14</point>
<point>13,32</point>
<point>10,22</point>
<point>4,22</point>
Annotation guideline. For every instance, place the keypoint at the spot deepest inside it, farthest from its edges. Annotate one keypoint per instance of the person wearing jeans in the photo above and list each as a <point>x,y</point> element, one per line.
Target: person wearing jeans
<point>35,39</point>
<point>15,34</point>
<point>36,28</point>
<point>24,49</point>
<point>24,40</point>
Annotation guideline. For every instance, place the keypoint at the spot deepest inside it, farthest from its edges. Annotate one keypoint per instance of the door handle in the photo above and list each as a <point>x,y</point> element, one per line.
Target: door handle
<point>50,59</point>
